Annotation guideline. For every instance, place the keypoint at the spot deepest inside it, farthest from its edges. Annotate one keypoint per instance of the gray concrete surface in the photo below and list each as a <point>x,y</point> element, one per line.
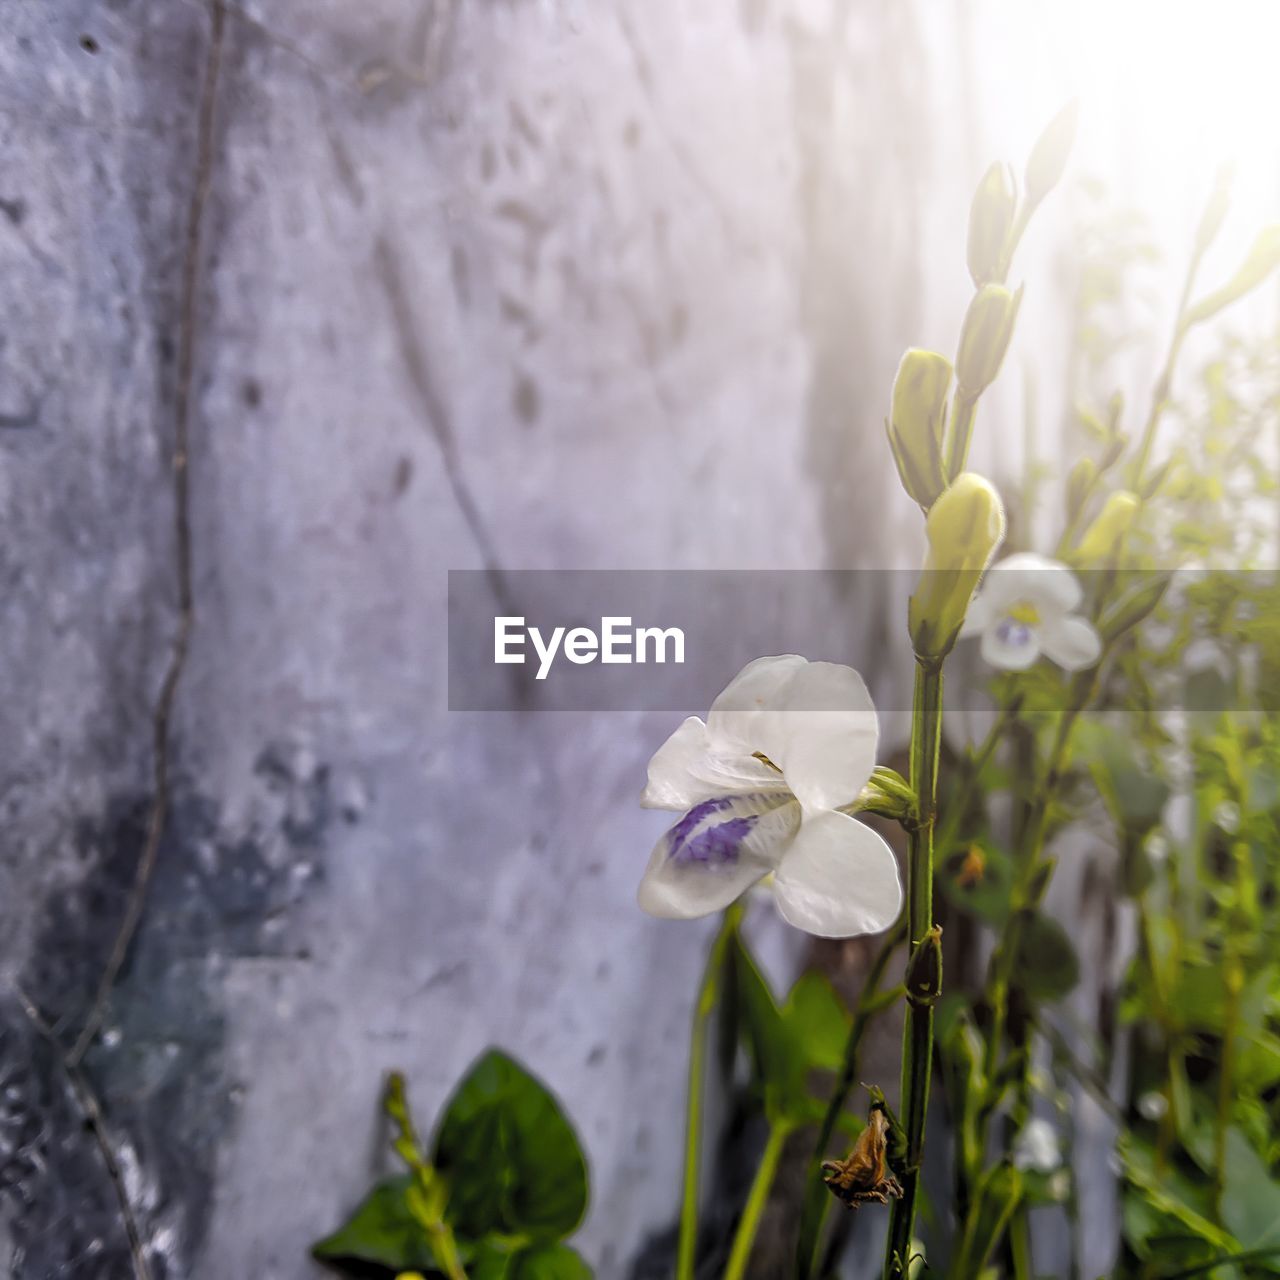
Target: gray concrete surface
<point>490,285</point>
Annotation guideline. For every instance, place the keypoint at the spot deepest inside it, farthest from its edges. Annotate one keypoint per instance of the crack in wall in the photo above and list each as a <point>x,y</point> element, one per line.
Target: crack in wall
<point>436,416</point>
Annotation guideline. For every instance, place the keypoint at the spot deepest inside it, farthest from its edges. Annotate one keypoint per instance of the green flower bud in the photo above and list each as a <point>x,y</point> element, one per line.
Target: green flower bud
<point>1100,543</point>
<point>918,423</point>
<point>965,526</point>
<point>924,969</point>
<point>1135,606</point>
<point>1263,258</point>
<point>1048,160</point>
<point>984,337</point>
<point>990,220</point>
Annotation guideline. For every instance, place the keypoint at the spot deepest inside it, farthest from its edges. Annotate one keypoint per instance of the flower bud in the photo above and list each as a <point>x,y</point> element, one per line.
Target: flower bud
<point>990,219</point>
<point>1134,607</point>
<point>965,526</point>
<point>984,337</point>
<point>924,969</point>
<point>1048,160</point>
<point>1100,543</point>
<point>918,422</point>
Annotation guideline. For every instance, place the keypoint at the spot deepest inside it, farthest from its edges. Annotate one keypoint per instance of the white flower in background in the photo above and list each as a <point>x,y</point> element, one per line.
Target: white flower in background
<point>1036,1147</point>
<point>785,746</point>
<point>1227,816</point>
<point>1153,1106</point>
<point>1027,607</point>
<point>1157,847</point>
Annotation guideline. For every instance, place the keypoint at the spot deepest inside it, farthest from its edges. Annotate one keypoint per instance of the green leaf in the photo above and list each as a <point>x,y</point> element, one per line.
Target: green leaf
<point>510,1156</point>
<point>1047,967</point>
<point>1170,1192</point>
<point>550,1262</point>
<point>1262,259</point>
<point>541,1262</point>
<point>1250,1196</point>
<point>788,1044</point>
<point>816,1018</point>
<point>768,1042</point>
<point>1134,796</point>
<point>381,1232</point>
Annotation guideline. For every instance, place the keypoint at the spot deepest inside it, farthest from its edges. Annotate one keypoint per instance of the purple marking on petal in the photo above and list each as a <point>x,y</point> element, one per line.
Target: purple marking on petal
<point>694,839</point>
<point>1013,632</point>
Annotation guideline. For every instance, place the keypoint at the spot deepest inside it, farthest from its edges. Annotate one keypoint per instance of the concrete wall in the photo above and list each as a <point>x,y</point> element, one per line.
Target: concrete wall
<point>471,285</point>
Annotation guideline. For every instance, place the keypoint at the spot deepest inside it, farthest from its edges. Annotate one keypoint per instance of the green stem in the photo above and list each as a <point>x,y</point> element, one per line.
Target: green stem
<point>917,1038</point>
<point>963,412</point>
<point>740,1255</point>
<point>445,1249</point>
<point>959,807</point>
<point>1225,1083</point>
<point>708,993</point>
<point>818,1199</point>
<point>1164,383</point>
<point>1037,828</point>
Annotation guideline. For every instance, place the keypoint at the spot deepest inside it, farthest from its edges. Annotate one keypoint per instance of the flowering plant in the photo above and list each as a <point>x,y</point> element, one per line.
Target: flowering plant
<point>781,786</point>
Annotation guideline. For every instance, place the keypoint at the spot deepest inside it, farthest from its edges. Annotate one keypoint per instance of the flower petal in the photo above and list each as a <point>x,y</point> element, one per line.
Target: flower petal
<point>1071,642</point>
<point>838,879</point>
<point>978,616</point>
<point>1047,584</point>
<point>684,771</point>
<point>1010,645</point>
<point>822,732</point>
<point>715,853</point>
<point>731,724</point>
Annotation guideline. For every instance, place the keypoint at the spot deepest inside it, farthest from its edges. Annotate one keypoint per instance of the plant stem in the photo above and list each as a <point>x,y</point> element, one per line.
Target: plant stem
<point>1164,383</point>
<point>917,1037</point>
<point>708,993</point>
<point>818,1199</point>
<point>1235,980</point>
<point>756,1201</point>
<point>445,1248</point>
<point>978,760</point>
<point>963,413</point>
<point>1036,831</point>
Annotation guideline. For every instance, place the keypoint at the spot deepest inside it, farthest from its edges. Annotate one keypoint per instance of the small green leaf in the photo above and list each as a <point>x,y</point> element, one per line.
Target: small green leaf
<point>1262,259</point>
<point>816,1018</point>
<point>768,1041</point>
<point>380,1232</point>
<point>550,1262</point>
<point>510,1156</point>
<point>1047,967</point>
<point>786,1045</point>
<point>541,1262</point>
<point>1250,1196</point>
<point>1134,796</point>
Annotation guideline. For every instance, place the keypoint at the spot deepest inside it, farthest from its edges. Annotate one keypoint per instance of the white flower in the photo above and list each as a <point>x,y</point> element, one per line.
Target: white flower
<point>1036,1146</point>
<point>784,747</point>
<point>1026,608</point>
<point>1153,1105</point>
<point>1157,847</point>
<point>1227,816</point>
